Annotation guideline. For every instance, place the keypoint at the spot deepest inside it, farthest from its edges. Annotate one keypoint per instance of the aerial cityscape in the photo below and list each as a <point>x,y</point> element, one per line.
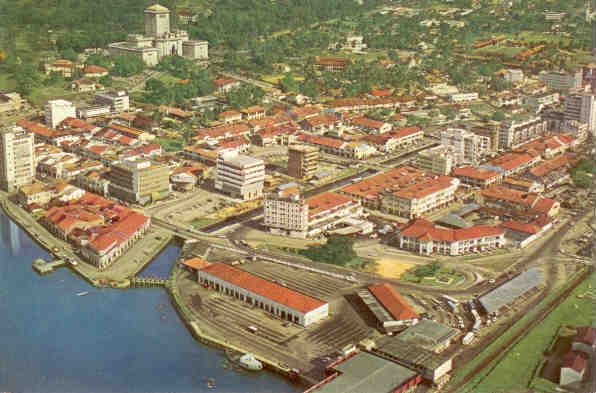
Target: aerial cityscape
<point>317,196</point>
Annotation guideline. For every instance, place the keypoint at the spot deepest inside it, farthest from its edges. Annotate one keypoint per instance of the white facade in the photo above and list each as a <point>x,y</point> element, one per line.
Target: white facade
<point>514,133</point>
<point>280,310</point>
<point>118,101</point>
<point>514,75</point>
<point>239,175</point>
<point>562,81</point>
<point>159,41</point>
<point>467,147</point>
<point>439,160</point>
<point>58,110</point>
<point>463,97</point>
<point>581,107</point>
<point>17,161</point>
<point>286,215</point>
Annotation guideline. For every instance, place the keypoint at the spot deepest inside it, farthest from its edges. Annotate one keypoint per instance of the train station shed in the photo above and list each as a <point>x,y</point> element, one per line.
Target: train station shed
<point>430,335</point>
<point>505,294</point>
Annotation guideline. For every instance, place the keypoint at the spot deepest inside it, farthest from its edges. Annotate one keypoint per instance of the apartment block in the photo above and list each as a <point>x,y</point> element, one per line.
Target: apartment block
<point>581,107</point>
<point>118,101</point>
<point>439,160</point>
<point>467,147</point>
<point>139,181</point>
<point>58,110</point>
<point>239,175</point>
<point>17,161</point>
<point>303,161</point>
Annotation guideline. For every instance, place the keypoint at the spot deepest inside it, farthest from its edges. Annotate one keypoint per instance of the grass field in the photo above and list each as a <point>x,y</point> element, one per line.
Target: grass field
<point>514,372</point>
<point>203,222</point>
<point>170,144</point>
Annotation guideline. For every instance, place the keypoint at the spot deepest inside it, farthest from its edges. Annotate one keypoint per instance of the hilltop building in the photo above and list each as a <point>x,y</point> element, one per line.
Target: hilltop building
<point>159,41</point>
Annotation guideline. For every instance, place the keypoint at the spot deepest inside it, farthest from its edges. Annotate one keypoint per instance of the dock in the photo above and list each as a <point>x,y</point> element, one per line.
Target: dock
<point>43,267</point>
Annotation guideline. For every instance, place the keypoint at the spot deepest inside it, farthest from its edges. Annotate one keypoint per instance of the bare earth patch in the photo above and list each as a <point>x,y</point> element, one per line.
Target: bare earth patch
<point>392,268</point>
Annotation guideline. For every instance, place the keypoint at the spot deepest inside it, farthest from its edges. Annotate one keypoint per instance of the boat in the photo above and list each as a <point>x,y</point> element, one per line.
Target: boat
<point>84,293</point>
<point>249,362</point>
<point>211,383</point>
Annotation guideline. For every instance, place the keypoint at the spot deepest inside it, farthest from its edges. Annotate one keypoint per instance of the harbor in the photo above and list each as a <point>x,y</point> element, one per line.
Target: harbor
<point>95,324</point>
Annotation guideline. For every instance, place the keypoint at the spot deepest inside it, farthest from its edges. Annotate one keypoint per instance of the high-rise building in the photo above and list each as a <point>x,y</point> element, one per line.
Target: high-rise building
<point>581,107</point>
<point>562,81</point>
<point>303,161</point>
<point>118,101</point>
<point>17,161</point>
<point>58,110</point>
<point>240,176</point>
<point>286,213</point>
<point>139,181</point>
<point>438,159</point>
<point>467,147</point>
<point>516,132</point>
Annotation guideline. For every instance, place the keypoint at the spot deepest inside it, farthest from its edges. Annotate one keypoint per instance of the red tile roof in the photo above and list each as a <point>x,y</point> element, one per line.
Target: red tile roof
<point>323,141</point>
<point>326,201</point>
<point>475,173</point>
<point>546,167</point>
<point>510,161</point>
<point>393,302</point>
<point>367,122</point>
<point>574,360</point>
<point>257,285</point>
<point>36,128</point>
<point>520,226</point>
<point>224,81</point>
<point>93,69</point>
<point>426,230</point>
<point>196,263</point>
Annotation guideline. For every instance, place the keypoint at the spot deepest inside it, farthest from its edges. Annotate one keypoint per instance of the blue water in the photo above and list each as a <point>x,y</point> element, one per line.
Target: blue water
<point>162,265</point>
<point>108,341</point>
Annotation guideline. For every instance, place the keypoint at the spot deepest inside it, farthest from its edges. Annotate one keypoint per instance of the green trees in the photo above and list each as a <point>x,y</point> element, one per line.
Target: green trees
<point>498,116</point>
<point>158,92</point>
<point>27,78</point>
<point>127,65</point>
<point>338,250</point>
<point>245,95</point>
<point>289,84</point>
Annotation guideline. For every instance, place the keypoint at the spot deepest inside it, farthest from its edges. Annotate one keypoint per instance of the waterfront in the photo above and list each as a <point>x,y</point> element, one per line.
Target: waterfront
<point>110,340</point>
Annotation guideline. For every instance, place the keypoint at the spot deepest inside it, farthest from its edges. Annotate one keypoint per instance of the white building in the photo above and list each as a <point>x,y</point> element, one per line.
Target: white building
<point>438,159</point>
<point>581,107</point>
<point>17,161</point>
<point>516,132</point>
<point>239,175</point>
<point>276,299</point>
<point>118,101</point>
<point>58,110</point>
<point>463,97</point>
<point>467,147</point>
<point>424,237</point>
<point>562,81</point>
<point>513,75</point>
<point>159,41</point>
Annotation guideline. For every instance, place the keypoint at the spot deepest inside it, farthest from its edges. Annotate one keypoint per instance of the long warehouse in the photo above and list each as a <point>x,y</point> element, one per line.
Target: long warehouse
<point>269,296</point>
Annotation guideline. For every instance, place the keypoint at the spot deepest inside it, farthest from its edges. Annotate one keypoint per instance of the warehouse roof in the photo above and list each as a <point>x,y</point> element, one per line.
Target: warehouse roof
<point>365,372</point>
<point>257,285</point>
<point>511,290</point>
<point>409,353</point>
<point>429,334</point>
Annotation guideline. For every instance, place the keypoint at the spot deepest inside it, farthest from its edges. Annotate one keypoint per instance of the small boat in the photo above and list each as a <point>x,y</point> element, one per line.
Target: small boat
<point>84,293</point>
<point>211,383</point>
<point>249,362</point>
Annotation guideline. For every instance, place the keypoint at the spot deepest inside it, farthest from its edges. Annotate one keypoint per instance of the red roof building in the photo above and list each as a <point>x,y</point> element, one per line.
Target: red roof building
<point>272,297</point>
<point>393,302</point>
<point>424,237</point>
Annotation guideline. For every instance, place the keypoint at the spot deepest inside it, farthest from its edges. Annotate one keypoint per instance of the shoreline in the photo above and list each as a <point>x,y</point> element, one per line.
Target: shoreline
<point>189,322</point>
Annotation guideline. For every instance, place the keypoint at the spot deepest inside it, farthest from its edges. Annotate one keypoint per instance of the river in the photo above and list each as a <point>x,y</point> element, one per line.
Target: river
<point>108,341</point>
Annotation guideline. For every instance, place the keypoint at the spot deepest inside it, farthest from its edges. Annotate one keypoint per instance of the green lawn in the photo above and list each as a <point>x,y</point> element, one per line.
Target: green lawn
<point>514,372</point>
<point>7,82</point>
<point>203,222</point>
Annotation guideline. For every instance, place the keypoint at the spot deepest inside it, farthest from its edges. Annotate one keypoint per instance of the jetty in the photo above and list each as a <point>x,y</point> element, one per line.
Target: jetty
<point>43,267</point>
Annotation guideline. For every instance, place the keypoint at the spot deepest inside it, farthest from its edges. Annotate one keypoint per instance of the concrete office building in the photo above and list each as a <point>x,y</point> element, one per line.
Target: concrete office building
<point>17,161</point>
<point>562,81</point>
<point>139,181</point>
<point>467,147</point>
<point>58,110</point>
<point>303,161</point>
<point>516,132</point>
<point>581,107</point>
<point>118,101</point>
<point>438,159</point>
<point>239,176</point>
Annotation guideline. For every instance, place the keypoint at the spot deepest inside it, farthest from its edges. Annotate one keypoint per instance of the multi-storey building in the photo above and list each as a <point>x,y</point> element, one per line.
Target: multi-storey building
<point>303,161</point>
<point>424,237</point>
<point>406,191</point>
<point>159,41</point>
<point>513,75</point>
<point>118,101</point>
<point>287,213</point>
<point>581,107</point>
<point>562,81</point>
<point>516,132</point>
<point>438,159</point>
<point>139,181</point>
<point>467,147</point>
<point>17,161</point>
<point>58,110</point>
<point>477,177</point>
<point>239,176</point>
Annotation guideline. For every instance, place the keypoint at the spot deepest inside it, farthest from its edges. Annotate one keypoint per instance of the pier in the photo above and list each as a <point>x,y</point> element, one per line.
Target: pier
<point>43,267</point>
